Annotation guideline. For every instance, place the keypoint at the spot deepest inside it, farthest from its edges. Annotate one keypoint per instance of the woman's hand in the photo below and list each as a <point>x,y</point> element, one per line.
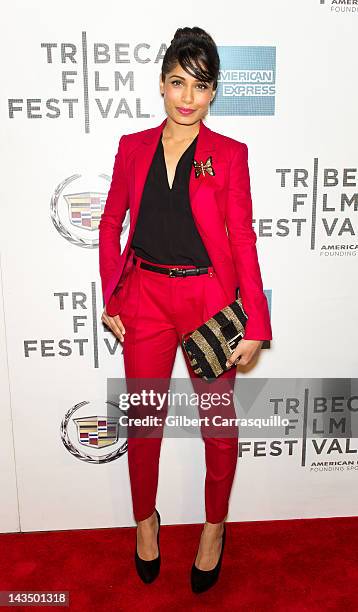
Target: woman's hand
<point>244,352</point>
<point>115,324</point>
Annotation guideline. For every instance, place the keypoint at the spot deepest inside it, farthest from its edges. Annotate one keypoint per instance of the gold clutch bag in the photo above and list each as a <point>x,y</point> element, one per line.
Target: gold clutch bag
<point>209,346</point>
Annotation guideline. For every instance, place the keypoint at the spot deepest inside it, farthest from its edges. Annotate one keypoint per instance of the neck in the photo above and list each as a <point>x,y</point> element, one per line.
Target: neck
<point>179,132</point>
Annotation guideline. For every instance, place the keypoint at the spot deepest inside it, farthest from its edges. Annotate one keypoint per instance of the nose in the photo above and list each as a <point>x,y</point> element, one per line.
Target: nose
<point>187,95</point>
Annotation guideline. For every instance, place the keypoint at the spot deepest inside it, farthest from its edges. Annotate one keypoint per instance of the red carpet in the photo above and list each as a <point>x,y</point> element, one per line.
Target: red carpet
<point>268,566</point>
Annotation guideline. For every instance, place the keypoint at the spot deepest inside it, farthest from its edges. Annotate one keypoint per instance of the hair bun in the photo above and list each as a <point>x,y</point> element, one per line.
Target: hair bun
<point>191,34</point>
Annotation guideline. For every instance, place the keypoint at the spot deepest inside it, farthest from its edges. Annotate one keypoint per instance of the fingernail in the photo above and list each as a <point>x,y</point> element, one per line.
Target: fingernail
<point>228,364</point>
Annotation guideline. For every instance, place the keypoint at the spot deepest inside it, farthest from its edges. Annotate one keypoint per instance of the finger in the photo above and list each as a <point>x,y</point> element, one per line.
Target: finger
<point>115,324</point>
<point>119,322</point>
<point>105,318</point>
<point>233,359</point>
<point>119,331</point>
<point>118,325</point>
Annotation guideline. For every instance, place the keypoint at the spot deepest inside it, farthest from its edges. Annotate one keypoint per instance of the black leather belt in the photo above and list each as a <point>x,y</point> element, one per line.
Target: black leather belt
<point>172,271</point>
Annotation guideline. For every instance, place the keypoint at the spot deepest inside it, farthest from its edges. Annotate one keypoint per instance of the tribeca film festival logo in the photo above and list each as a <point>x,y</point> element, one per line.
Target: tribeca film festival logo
<point>324,206</point>
<point>317,426</point>
<point>96,81</point>
<point>85,336</point>
<point>341,6</point>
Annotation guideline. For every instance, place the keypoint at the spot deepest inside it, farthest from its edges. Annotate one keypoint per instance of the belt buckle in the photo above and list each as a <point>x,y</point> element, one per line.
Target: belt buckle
<point>171,271</point>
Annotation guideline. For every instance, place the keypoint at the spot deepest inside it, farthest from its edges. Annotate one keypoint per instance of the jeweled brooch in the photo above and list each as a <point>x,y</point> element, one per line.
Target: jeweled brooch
<point>202,168</point>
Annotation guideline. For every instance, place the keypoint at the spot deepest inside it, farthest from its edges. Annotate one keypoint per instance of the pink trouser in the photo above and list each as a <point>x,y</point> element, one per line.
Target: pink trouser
<point>157,310</point>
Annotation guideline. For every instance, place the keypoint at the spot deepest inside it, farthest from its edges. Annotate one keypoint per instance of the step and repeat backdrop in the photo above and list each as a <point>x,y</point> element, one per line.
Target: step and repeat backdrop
<point>73,81</point>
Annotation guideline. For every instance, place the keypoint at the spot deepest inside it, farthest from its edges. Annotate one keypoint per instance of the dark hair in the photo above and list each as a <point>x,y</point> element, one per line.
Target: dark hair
<point>197,54</point>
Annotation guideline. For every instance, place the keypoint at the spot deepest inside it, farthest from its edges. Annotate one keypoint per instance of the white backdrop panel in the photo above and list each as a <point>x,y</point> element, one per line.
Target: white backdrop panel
<point>56,359</point>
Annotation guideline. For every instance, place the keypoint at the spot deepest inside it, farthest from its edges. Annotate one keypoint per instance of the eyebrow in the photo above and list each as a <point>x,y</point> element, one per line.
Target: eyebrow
<point>181,77</point>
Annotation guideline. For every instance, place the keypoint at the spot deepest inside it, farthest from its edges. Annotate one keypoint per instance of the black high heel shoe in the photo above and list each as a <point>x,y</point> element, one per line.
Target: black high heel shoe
<point>202,580</point>
<point>148,570</point>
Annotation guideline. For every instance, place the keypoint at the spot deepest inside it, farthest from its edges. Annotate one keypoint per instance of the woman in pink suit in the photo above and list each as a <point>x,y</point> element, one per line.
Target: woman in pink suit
<point>191,248</point>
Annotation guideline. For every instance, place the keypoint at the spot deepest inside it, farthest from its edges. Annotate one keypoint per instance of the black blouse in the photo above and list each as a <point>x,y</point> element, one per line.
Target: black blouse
<point>165,231</point>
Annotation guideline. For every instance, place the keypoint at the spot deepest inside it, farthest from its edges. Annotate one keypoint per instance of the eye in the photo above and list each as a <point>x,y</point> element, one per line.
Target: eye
<point>201,86</point>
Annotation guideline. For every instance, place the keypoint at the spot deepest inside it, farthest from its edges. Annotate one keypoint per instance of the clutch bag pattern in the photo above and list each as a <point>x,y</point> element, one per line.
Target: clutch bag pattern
<point>209,346</point>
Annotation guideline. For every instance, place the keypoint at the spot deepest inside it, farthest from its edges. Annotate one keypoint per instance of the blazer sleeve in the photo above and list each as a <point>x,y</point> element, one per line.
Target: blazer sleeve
<point>110,226</point>
<point>242,239</point>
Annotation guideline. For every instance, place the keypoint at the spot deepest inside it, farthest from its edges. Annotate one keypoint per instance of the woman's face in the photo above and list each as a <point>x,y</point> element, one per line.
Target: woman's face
<point>183,91</point>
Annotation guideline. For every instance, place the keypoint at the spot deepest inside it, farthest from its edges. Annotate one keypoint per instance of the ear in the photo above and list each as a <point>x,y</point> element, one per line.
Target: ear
<point>161,84</point>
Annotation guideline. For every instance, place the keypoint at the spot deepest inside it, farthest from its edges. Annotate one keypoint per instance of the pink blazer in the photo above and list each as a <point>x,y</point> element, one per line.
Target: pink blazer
<point>222,211</point>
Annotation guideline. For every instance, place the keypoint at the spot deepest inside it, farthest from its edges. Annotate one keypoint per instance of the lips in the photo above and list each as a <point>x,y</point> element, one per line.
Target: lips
<point>185,111</point>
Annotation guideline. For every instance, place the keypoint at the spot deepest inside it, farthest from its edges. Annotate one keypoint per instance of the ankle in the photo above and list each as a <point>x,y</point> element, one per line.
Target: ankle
<point>148,525</point>
<point>213,528</point>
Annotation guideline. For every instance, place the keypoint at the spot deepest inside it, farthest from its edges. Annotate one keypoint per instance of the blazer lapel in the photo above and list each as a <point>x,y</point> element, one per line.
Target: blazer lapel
<point>142,161</point>
<point>205,147</point>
